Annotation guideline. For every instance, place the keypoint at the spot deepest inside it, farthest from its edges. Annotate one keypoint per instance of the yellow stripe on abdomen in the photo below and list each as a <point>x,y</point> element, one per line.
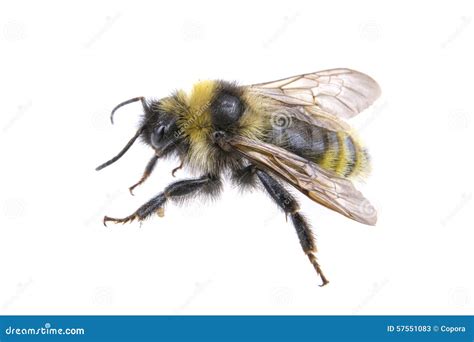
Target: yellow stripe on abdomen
<point>344,155</point>
<point>328,159</point>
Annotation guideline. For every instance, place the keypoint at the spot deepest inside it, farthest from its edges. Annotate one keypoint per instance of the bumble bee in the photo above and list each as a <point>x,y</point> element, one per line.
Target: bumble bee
<point>291,131</point>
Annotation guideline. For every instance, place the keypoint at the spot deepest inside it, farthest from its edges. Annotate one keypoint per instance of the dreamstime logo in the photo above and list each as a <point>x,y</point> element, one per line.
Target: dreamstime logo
<point>459,119</point>
<point>109,22</point>
<point>195,211</point>
<point>287,22</point>
<point>463,201</point>
<point>376,288</point>
<point>103,296</point>
<point>191,121</point>
<point>460,297</point>
<point>282,296</point>
<point>465,21</point>
<point>21,110</point>
<point>375,112</point>
<point>368,210</point>
<point>370,31</point>
<point>14,208</point>
<point>100,121</point>
<point>20,290</point>
<point>280,121</point>
<point>47,329</point>
<point>193,31</point>
<point>199,288</point>
<point>110,198</point>
<point>14,31</point>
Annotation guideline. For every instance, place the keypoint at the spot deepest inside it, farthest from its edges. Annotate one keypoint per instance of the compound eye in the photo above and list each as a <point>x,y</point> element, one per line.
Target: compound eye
<point>157,136</point>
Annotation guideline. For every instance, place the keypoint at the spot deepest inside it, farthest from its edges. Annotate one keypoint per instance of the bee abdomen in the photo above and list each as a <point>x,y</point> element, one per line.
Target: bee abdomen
<point>338,152</point>
<point>349,159</point>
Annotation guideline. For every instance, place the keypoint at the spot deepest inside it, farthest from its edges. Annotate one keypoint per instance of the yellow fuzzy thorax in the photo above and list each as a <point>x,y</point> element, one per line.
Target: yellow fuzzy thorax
<point>195,124</point>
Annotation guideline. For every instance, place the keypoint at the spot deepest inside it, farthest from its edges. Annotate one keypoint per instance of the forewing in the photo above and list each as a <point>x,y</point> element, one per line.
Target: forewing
<point>340,92</point>
<point>333,192</point>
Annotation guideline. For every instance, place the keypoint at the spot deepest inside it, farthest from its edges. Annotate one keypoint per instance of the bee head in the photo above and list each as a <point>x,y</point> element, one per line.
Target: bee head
<point>158,129</point>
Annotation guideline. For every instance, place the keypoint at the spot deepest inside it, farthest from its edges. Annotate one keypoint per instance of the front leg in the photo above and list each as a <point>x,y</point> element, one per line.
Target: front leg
<point>208,185</point>
<point>148,170</point>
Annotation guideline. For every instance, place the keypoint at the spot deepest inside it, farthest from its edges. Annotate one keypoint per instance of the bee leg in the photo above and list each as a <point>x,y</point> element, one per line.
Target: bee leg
<point>244,177</point>
<point>177,168</point>
<point>291,208</point>
<point>175,191</point>
<point>148,170</point>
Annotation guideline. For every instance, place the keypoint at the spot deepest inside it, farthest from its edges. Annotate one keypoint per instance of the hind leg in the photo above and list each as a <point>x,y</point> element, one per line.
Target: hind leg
<point>291,208</point>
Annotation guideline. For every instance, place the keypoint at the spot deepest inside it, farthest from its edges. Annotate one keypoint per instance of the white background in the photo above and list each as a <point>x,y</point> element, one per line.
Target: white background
<point>64,66</point>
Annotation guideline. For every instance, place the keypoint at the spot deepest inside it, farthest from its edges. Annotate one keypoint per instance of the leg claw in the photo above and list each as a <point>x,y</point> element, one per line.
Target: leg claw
<point>127,219</point>
<point>319,271</point>
<point>131,189</point>
<point>325,282</point>
<point>176,169</point>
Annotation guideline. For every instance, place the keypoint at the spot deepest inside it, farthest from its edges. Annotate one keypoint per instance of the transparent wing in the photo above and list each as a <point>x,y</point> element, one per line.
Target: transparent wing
<point>313,116</point>
<point>333,192</point>
<point>340,92</point>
